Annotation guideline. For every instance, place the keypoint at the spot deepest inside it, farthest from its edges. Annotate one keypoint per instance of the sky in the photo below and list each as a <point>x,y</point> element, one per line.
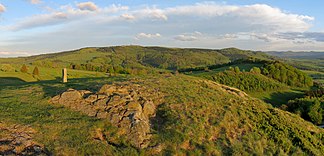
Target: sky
<point>30,27</point>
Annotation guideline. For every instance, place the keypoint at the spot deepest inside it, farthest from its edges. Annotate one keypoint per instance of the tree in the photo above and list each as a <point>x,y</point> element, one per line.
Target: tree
<point>315,112</point>
<point>255,70</point>
<point>36,71</point>
<point>237,69</point>
<point>231,69</point>
<point>24,69</point>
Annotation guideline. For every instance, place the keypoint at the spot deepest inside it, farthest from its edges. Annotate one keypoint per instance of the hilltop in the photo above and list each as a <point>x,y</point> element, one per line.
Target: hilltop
<point>194,116</point>
<point>133,100</point>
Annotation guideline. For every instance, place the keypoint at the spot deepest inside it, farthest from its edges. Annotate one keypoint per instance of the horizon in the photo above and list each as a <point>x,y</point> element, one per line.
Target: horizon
<point>34,27</point>
<point>69,50</point>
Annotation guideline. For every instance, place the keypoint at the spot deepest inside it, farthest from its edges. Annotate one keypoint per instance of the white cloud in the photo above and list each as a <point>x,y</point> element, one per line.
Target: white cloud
<point>151,13</point>
<point>35,1</point>
<point>2,8</point>
<point>263,37</point>
<point>188,36</point>
<point>40,20</point>
<point>185,38</point>
<point>204,24</point>
<point>229,36</point>
<point>144,35</point>
<point>6,54</point>
<point>89,6</point>
<point>257,16</point>
<point>127,17</point>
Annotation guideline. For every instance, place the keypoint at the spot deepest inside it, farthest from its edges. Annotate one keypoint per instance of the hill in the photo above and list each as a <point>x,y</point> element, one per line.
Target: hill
<point>132,100</point>
<point>192,117</point>
<point>298,55</point>
<point>136,57</point>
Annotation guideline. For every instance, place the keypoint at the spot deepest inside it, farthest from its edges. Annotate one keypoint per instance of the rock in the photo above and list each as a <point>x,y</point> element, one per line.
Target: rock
<point>69,97</point>
<point>102,115</point>
<point>84,92</point>
<point>134,106</point>
<point>101,96</point>
<point>107,89</point>
<point>18,140</point>
<point>127,106</point>
<point>101,104</point>
<point>148,108</point>
<point>91,98</point>
<point>56,99</point>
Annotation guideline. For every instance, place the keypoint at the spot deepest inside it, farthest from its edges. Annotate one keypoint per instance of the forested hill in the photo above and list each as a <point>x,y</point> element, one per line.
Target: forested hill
<point>298,55</point>
<point>137,57</point>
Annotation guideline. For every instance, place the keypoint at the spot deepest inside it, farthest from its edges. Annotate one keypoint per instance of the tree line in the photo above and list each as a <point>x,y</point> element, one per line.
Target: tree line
<point>246,81</point>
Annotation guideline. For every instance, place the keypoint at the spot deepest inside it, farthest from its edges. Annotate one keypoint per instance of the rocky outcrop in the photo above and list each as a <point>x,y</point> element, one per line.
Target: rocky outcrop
<point>127,106</point>
<point>18,140</point>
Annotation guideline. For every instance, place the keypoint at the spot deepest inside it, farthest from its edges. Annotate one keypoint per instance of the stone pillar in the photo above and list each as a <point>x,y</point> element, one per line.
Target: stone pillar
<point>64,75</point>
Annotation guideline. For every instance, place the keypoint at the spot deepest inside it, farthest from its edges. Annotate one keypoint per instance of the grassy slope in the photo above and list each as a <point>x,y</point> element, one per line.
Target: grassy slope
<point>137,56</point>
<point>48,74</point>
<point>198,117</point>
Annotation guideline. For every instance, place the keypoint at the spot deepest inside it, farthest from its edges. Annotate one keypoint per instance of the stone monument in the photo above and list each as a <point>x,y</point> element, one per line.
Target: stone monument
<point>64,75</point>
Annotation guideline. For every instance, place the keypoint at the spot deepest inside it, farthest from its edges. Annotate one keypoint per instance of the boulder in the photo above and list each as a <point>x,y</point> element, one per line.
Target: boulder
<point>70,97</point>
<point>149,108</point>
<point>107,89</point>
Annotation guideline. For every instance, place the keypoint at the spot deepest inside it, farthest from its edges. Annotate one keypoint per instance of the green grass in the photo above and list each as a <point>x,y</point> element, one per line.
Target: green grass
<point>278,98</point>
<point>49,74</point>
<point>197,117</point>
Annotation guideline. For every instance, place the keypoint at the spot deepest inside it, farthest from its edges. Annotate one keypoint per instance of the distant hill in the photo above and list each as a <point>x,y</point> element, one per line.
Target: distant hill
<point>298,55</point>
<point>138,57</point>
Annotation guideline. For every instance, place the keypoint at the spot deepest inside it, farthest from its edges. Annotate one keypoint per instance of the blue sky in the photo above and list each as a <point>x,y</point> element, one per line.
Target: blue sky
<point>29,27</point>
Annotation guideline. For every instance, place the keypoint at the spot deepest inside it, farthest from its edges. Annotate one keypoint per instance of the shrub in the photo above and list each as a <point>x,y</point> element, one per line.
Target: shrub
<point>24,69</point>
<point>36,71</point>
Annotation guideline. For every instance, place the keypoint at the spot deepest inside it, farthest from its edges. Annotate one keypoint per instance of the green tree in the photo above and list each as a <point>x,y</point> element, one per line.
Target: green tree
<point>36,71</point>
<point>237,69</point>
<point>255,70</point>
<point>231,69</point>
<point>24,69</point>
<point>315,112</point>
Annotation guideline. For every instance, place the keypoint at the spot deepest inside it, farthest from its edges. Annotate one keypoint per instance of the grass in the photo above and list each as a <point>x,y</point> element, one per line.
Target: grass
<point>64,132</point>
<point>196,118</point>
<point>49,74</point>
<point>278,98</point>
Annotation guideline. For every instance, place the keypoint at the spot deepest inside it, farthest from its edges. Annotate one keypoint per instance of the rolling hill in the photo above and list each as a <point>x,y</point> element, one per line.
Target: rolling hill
<point>155,110</point>
<point>195,117</point>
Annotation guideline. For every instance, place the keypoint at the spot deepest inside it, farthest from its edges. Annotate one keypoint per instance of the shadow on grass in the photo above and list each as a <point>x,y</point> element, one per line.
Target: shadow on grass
<point>277,99</point>
<point>10,81</point>
<point>55,87</point>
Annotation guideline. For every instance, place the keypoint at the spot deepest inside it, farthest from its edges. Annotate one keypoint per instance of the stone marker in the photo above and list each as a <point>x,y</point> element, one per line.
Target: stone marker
<point>64,75</point>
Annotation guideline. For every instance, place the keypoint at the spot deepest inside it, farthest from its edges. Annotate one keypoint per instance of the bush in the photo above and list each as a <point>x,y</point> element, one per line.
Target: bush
<point>309,108</point>
<point>24,69</point>
<point>6,68</point>
<point>246,81</point>
<point>36,71</point>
